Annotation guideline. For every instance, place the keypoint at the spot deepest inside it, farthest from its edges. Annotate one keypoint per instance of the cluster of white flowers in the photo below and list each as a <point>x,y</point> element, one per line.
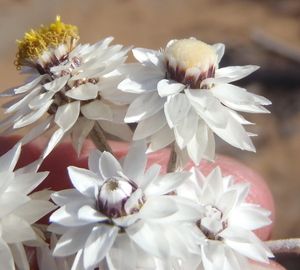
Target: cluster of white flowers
<point>18,210</point>
<point>124,214</point>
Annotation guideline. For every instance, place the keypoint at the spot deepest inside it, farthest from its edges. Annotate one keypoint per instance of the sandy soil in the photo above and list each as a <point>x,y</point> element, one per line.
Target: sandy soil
<point>151,23</point>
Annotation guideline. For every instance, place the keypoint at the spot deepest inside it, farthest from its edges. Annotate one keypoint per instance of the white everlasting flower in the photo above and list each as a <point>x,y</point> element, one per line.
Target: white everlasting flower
<point>185,97</point>
<point>222,235</point>
<point>116,213</point>
<point>73,87</point>
<point>18,211</point>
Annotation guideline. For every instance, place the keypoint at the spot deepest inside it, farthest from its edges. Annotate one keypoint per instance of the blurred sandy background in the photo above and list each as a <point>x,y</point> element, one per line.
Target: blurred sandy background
<point>248,28</point>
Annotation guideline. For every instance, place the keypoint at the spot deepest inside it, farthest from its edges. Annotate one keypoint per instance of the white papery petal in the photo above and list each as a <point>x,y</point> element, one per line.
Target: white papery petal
<point>29,86</point>
<point>227,202</point>
<point>78,261</point>
<point>80,131</point>
<point>232,93</point>
<point>20,103</point>
<point>149,126</point>
<point>85,91</point>
<point>26,182</point>
<point>20,257</point>
<point>110,92</point>
<point>40,100</point>
<point>32,116</point>
<point>208,107</point>
<point>34,210</point>
<point>37,130</point>
<point>133,201</point>
<point>122,249</point>
<point>16,229</point>
<point>161,139</point>
<point>54,140</point>
<point>141,80</point>
<point>121,131</point>
<point>98,244</point>
<point>143,107</point>
<point>246,243</point>
<point>87,74</point>
<point>168,87</point>
<point>148,57</point>
<point>9,201</point>
<point>126,221</point>
<point>67,195</point>
<point>67,215</point>
<point>167,183</point>
<point>230,74</point>
<point>186,129</point>
<point>187,210</point>
<point>72,241</point>
<point>45,259</point>
<point>66,115</point>
<point>150,237</point>
<point>210,151</point>
<point>238,117</point>
<point>158,207</point>
<point>97,110</point>
<point>234,134</point>
<point>212,256</point>
<point>219,49</point>
<point>198,144</point>
<point>57,84</point>
<point>6,258</point>
<point>85,181</point>
<point>150,175</point>
<point>93,161</point>
<point>249,108</point>
<point>9,160</point>
<point>135,161</point>
<point>261,100</point>
<point>109,166</point>
<point>249,217</point>
<point>91,215</point>
<point>176,109</point>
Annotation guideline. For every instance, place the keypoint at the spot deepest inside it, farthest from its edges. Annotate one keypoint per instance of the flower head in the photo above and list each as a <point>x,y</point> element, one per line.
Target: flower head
<point>73,87</point>
<point>222,235</point>
<point>36,45</point>
<point>18,210</point>
<point>190,61</point>
<point>185,97</point>
<point>116,211</point>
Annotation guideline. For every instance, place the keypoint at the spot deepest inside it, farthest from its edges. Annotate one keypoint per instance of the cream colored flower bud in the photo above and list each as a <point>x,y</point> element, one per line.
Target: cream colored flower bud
<point>190,61</point>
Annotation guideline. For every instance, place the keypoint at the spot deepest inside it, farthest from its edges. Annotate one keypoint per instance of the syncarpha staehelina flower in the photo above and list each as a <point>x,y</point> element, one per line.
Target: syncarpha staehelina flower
<point>185,97</point>
<point>72,89</point>
<point>19,210</point>
<point>222,236</point>
<point>116,213</point>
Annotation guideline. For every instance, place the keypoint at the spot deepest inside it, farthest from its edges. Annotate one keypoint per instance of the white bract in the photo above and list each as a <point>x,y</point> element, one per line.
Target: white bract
<point>221,237</point>
<point>118,214</point>
<point>73,87</point>
<point>18,210</point>
<point>185,97</point>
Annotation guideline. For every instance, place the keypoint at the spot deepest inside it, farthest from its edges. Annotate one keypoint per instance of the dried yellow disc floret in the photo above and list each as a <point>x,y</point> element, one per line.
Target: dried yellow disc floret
<point>36,42</point>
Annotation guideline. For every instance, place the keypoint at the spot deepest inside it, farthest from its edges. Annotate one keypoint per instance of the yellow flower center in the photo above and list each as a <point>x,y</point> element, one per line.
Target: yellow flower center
<point>190,53</point>
<point>36,42</point>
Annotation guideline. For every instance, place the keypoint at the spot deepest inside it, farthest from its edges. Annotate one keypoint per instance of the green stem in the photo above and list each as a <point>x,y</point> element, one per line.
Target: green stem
<point>98,138</point>
<point>172,160</point>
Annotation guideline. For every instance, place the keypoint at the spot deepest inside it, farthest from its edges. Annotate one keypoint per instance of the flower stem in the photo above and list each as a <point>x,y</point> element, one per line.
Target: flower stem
<point>286,251</point>
<point>98,138</point>
<point>284,245</point>
<point>173,159</point>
